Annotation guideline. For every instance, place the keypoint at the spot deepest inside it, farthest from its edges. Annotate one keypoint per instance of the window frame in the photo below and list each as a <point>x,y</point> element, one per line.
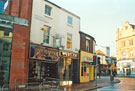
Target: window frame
<point>70,20</point>
<point>48,10</point>
<point>46,35</point>
<point>88,46</point>
<point>69,41</point>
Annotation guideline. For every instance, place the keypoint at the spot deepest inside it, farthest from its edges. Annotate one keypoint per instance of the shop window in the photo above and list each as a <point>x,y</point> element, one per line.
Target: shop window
<point>82,70</point>
<point>46,34</point>
<point>87,45</point>
<point>5,46</point>
<point>69,41</point>
<point>84,73</point>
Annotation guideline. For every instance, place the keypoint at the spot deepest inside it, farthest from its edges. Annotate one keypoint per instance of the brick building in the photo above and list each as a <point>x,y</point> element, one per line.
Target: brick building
<point>87,49</point>
<point>15,26</point>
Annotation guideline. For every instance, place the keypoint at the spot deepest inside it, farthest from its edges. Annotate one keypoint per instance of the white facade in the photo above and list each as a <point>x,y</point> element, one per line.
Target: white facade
<point>58,24</point>
<point>124,65</point>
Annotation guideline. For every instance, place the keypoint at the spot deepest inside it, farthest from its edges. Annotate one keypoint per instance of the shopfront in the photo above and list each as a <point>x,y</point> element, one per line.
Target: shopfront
<point>126,68</point>
<point>68,67</point>
<point>43,62</point>
<point>86,70</point>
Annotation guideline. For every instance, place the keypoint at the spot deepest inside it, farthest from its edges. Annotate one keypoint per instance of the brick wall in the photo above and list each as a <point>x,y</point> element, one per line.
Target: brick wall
<point>83,43</point>
<point>20,42</point>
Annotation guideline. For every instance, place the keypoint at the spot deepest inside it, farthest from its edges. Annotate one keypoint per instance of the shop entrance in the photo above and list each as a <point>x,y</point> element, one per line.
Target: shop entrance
<point>39,70</point>
<point>75,71</point>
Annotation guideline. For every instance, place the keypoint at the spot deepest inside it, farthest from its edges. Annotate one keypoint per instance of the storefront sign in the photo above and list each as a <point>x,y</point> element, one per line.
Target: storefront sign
<point>68,54</point>
<point>43,53</point>
<point>87,59</point>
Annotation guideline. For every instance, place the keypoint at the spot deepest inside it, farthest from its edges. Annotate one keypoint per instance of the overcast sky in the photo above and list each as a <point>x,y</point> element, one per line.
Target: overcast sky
<point>101,18</point>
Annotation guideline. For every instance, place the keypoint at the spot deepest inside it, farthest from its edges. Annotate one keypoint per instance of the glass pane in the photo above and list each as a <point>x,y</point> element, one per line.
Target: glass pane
<point>82,70</point>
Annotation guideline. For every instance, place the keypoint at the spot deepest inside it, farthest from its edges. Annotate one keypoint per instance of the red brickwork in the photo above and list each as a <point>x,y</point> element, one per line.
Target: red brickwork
<point>20,42</point>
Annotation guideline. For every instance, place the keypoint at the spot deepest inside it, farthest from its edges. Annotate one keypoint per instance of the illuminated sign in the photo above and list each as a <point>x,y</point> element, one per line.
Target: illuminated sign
<point>43,53</point>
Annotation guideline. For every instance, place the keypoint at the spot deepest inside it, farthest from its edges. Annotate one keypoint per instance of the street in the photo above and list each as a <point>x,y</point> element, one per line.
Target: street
<point>126,84</point>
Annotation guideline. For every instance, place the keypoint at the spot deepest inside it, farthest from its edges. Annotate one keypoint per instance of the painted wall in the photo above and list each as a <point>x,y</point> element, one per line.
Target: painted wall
<point>91,69</point>
<point>58,23</point>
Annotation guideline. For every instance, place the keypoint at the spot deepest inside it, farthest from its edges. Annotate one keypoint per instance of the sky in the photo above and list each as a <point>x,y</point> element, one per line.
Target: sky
<point>101,18</point>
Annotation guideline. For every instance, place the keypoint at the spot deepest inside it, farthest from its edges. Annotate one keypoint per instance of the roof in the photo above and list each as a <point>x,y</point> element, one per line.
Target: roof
<point>99,52</point>
<point>87,35</point>
<point>62,8</point>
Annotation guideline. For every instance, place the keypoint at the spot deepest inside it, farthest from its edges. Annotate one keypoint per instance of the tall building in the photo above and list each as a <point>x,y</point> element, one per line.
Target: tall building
<point>54,43</point>
<point>125,49</point>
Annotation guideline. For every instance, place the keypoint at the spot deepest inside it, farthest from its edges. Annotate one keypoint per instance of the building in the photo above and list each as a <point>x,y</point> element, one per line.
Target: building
<point>14,40</point>
<point>125,49</point>
<point>54,42</point>
<point>103,64</point>
<point>87,49</point>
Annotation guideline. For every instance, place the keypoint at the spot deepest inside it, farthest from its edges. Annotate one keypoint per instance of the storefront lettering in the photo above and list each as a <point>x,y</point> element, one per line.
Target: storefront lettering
<point>44,53</point>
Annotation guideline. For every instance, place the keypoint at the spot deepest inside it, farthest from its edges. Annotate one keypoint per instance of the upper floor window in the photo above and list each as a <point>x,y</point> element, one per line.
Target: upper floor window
<point>46,34</point>
<point>131,54</point>
<point>131,42</point>
<point>124,55</point>
<point>48,10</point>
<point>6,33</point>
<point>87,45</point>
<point>123,43</point>
<point>57,42</point>
<point>69,20</point>
<point>69,41</point>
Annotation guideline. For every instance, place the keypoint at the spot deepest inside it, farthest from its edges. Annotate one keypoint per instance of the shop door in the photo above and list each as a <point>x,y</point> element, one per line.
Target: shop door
<point>75,71</point>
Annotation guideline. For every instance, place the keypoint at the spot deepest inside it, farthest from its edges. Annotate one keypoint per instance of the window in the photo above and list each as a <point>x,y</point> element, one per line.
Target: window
<point>48,10</point>
<point>131,54</point>
<point>46,34</point>
<point>82,70</point>
<point>57,42</point>
<point>69,20</point>
<point>123,43</point>
<point>69,41</point>
<point>87,45</point>
<point>5,46</point>
<point>131,42</point>
<point>123,55</point>
<point>6,33</point>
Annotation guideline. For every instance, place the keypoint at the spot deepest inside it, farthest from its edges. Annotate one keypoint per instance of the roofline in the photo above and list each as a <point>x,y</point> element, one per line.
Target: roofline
<point>87,35</point>
<point>62,8</point>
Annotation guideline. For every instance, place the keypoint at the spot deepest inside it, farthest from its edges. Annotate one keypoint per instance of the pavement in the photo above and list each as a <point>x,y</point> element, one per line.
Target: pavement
<point>88,86</point>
